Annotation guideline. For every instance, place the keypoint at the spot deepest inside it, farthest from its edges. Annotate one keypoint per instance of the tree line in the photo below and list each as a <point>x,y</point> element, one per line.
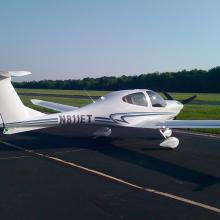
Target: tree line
<point>181,81</point>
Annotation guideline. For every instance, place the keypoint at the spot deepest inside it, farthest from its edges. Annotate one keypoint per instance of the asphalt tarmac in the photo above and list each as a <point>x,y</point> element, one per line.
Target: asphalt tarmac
<point>59,174</point>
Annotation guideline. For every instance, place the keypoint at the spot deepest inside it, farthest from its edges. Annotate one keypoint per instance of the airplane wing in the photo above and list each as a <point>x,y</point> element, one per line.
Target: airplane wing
<point>191,124</point>
<point>54,106</point>
<point>179,124</point>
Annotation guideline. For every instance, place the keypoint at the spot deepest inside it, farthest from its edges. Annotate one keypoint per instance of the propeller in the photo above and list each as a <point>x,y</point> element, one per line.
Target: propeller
<point>169,97</point>
<point>190,99</point>
<point>185,101</point>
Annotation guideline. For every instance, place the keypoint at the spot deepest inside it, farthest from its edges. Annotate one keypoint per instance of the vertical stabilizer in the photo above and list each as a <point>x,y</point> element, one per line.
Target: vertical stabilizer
<point>11,106</point>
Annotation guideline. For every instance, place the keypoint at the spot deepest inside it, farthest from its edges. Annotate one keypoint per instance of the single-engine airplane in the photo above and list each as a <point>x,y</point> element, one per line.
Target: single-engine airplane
<point>139,108</point>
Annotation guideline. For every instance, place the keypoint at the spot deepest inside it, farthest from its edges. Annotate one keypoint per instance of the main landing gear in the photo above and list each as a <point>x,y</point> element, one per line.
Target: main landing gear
<point>169,142</point>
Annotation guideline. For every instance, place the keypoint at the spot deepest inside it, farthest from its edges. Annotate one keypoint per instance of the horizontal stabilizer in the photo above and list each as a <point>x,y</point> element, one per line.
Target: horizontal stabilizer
<point>7,74</point>
<point>52,105</point>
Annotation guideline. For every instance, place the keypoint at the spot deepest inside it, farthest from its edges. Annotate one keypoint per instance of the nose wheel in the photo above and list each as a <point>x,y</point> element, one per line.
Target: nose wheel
<point>169,142</point>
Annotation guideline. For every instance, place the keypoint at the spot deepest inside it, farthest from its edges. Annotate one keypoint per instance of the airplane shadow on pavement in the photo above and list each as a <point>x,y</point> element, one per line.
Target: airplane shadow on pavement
<point>113,147</point>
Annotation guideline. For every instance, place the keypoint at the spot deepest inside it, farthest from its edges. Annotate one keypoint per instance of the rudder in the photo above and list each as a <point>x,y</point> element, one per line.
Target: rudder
<point>11,107</point>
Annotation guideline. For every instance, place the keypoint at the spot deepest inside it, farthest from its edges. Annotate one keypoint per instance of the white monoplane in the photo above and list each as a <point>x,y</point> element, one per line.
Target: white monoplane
<point>139,108</point>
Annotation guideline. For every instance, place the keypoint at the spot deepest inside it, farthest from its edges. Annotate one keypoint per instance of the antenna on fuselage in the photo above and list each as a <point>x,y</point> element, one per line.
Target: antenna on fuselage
<point>89,95</point>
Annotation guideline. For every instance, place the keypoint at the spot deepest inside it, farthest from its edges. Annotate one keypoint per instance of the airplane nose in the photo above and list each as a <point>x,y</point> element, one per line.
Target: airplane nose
<point>175,105</point>
<point>179,103</point>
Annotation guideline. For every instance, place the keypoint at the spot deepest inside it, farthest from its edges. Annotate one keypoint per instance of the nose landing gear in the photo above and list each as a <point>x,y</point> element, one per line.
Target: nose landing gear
<point>169,142</point>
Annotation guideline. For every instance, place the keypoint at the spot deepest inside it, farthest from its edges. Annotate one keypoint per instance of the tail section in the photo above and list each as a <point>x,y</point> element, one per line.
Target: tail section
<point>11,107</point>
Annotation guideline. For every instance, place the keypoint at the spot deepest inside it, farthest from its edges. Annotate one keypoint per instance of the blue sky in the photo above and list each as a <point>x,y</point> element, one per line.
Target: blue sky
<point>90,38</point>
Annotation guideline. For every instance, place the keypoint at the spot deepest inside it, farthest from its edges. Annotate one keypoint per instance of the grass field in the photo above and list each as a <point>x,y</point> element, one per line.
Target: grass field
<point>207,97</point>
<point>62,92</point>
<point>207,110</point>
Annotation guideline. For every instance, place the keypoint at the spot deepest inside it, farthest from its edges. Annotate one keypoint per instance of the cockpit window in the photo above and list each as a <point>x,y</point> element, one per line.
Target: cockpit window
<point>156,99</point>
<point>136,99</point>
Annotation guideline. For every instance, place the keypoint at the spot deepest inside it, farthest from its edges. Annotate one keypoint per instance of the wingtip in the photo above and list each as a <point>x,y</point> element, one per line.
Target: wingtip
<point>35,101</point>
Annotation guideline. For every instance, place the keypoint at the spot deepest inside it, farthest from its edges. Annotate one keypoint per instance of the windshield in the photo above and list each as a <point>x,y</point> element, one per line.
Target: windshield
<point>156,99</point>
<point>136,99</point>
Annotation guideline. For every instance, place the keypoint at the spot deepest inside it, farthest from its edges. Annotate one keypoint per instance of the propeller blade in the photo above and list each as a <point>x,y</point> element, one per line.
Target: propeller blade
<point>185,101</point>
<point>168,96</point>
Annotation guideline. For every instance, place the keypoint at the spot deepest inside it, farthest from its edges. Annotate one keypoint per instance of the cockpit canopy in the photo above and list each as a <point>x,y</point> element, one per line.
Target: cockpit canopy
<point>139,98</point>
<point>156,99</point>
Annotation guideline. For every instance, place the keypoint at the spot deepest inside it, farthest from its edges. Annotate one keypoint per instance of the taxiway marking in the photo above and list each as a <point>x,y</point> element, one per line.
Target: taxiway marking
<point>56,152</point>
<point>10,158</point>
<point>69,151</point>
<point>115,179</point>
